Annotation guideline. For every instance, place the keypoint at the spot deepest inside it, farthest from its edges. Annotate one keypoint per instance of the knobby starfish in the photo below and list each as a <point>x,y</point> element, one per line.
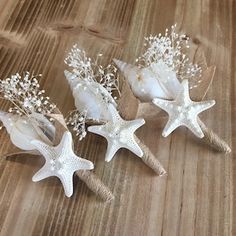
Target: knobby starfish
<point>119,133</point>
<point>61,162</point>
<point>183,111</point>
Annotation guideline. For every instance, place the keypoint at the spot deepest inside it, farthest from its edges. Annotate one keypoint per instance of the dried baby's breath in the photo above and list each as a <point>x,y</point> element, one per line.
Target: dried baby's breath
<point>77,120</point>
<point>170,48</point>
<point>25,95</point>
<point>96,75</point>
<point>87,69</point>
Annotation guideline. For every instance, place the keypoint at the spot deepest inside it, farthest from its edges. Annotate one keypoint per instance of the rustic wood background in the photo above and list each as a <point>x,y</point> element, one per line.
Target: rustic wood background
<point>196,198</point>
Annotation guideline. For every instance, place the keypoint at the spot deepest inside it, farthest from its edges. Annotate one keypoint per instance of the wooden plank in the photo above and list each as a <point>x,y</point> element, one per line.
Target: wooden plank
<point>196,198</point>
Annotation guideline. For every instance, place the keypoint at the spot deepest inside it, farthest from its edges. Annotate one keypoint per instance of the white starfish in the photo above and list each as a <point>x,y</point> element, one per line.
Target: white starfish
<point>61,162</point>
<point>183,111</point>
<point>119,134</point>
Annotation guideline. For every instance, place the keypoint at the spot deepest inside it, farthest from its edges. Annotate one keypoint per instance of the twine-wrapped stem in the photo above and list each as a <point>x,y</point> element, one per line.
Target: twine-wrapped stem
<point>149,158</point>
<point>95,184</point>
<point>213,139</point>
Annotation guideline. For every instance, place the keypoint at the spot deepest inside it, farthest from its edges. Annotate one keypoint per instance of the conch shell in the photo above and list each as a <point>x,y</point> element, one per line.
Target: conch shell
<point>90,96</point>
<point>155,81</point>
<point>22,130</point>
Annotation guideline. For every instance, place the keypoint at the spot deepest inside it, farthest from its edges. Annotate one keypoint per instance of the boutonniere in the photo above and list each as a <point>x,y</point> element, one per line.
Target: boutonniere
<point>165,76</point>
<point>36,126</point>
<point>96,90</point>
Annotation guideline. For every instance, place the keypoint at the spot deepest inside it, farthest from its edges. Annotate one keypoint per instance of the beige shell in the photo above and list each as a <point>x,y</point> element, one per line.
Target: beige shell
<point>90,96</point>
<point>155,81</point>
<point>22,131</point>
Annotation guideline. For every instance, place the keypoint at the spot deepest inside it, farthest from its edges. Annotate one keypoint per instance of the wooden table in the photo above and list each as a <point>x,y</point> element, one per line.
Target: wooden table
<point>196,198</point>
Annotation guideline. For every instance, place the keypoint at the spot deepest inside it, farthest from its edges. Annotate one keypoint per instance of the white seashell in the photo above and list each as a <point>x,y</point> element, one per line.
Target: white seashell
<point>21,131</point>
<point>155,81</point>
<point>48,128</point>
<point>89,96</point>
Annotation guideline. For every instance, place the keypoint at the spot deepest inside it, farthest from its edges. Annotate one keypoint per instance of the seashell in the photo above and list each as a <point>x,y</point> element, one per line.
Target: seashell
<point>155,81</point>
<point>46,126</point>
<point>22,131</point>
<point>90,96</point>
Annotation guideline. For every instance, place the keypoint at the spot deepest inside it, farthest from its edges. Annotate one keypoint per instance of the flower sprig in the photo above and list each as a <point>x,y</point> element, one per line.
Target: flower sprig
<point>108,79</point>
<point>104,80</point>
<point>87,69</point>
<point>25,95</point>
<point>77,120</point>
<point>170,48</point>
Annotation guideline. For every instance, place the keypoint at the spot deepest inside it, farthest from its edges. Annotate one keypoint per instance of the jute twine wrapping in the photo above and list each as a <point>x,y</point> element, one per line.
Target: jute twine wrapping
<point>213,139</point>
<point>90,179</point>
<point>95,184</point>
<point>149,159</point>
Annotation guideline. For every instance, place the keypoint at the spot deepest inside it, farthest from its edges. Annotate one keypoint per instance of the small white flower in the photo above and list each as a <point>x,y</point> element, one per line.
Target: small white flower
<point>27,103</point>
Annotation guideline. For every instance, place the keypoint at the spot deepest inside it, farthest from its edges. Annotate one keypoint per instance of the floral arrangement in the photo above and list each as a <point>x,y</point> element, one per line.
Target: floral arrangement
<point>25,95</point>
<point>171,49</point>
<point>102,81</point>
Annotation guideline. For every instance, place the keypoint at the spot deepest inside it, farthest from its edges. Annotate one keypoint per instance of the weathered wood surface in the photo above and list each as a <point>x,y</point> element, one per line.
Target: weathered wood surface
<point>198,195</point>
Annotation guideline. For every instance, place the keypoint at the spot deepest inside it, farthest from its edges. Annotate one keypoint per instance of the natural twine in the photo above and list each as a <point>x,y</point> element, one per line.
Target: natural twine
<point>95,184</point>
<point>149,159</point>
<point>213,139</point>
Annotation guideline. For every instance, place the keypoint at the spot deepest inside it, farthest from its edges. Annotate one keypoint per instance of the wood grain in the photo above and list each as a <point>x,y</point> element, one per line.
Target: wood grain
<point>198,195</point>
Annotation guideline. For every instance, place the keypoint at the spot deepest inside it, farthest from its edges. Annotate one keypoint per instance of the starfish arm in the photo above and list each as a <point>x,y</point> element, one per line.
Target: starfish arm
<point>204,105</point>
<point>185,87</point>
<point>195,128</point>
<point>114,113</point>
<point>135,124</point>
<point>82,164</point>
<point>43,173</point>
<point>97,129</point>
<point>112,148</point>
<point>183,95</point>
<point>134,147</point>
<point>163,104</point>
<point>171,125</point>
<point>43,148</point>
<point>67,182</point>
<point>66,143</point>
